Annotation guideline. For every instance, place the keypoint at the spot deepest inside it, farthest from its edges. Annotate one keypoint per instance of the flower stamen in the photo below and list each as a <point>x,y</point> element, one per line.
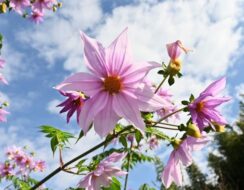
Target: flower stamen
<point>112,84</point>
<point>200,106</point>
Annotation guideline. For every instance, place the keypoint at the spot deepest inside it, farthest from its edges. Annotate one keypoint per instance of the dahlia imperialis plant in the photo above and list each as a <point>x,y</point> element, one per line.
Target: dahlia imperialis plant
<point>114,88</point>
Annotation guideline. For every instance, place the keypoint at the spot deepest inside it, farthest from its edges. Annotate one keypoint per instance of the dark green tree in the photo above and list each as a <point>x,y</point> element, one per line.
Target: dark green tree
<point>229,167</point>
<point>198,180</point>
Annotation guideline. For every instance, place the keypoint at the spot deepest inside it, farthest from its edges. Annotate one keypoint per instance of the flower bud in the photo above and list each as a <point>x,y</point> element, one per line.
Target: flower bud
<point>174,49</point>
<point>174,66</point>
<point>54,8</point>
<point>3,8</point>
<point>176,143</point>
<point>219,128</point>
<point>60,4</point>
<point>193,131</point>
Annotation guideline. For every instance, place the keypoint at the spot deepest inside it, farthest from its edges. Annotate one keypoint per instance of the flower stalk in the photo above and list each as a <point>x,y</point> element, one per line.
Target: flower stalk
<point>59,169</point>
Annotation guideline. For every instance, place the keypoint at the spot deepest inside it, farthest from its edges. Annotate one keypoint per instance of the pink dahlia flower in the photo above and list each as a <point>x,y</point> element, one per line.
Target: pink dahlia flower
<point>3,114</point>
<point>18,5</point>
<point>2,63</point>
<point>39,165</point>
<point>103,174</point>
<point>203,109</point>
<point>40,5</point>
<point>169,108</point>
<point>6,170</point>
<point>2,79</point>
<point>153,142</point>
<point>74,102</point>
<point>181,155</point>
<point>174,49</point>
<point>115,86</point>
<point>37,16</point>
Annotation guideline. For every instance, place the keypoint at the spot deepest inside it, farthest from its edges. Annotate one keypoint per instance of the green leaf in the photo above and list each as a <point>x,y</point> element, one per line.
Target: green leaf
<point>57,137</point>
<point>115,185</point>
<point>123,141</point>
<point>80,136</point>
<point>184,102</point>
<point>138,136</point>
<point>192,98</point>
<point>161,72</point>
<point>157,133</point>
<point>146,187</point>
<point>171,80</point>
<point>179,75</point>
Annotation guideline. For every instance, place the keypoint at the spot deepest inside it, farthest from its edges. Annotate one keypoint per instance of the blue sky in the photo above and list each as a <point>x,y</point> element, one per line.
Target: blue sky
<point>40,56</point>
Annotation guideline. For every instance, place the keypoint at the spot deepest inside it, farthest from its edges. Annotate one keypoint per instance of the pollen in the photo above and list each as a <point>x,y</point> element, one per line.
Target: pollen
<point>200,106</point>
<point>112,84</point>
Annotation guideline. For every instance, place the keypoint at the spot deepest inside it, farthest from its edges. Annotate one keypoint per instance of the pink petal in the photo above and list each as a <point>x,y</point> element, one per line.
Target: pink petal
<point>128,108</point>
<point>91,108</point>
<point>94,55</point>
<point>86,181</point>
<point>115,157</point>
<point>215,87</point>
<point>197,143</point>
<point>184,154</point>
<point>106,119</point>
<point>213,102</point>
<point>174,50</point>
<point>117,54</point>
<point>148,101</point>
<point>137,73</point>
<point>85,82</point>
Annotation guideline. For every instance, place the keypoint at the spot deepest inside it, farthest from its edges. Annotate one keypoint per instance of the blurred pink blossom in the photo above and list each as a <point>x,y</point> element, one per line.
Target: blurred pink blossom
<point>103,174</point>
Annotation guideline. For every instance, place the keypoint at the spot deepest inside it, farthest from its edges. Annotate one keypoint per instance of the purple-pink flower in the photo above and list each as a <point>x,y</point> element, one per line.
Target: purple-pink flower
<point>181,155</point>
<point>2,63</point>
<point>174,49</point>
<point>37,16</point>
<point>21,163</point>
<point>103,174</point>
<point>40,5</point>
<point>73,103</point>
<point>6,170</point>
<point>153,142</point>
<point>2,79</point>
<point>3,114</point>
<point>18,5</point>
<point>115,86</point>
<point>169,108</point>
<point>203,109</point>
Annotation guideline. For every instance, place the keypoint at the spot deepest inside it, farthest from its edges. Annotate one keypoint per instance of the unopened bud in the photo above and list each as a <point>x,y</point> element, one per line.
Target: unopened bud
<point>219,128</point>
<point>176,143</point>
<point>3,8</point>
<point>174,66</point>
<point>5,104</point>
<point>193,131</point>
<point>54,8</point>
<point>60,4</point>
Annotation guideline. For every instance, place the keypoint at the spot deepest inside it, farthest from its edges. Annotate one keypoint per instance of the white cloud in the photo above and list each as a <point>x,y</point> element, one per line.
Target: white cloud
<point>239,91</point>
<point>62,40</point>
<point>52,106</point>
<point>17,65</point>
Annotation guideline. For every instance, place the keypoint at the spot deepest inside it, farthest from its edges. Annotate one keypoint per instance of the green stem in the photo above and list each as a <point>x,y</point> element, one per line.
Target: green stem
<point>165,117</point>
<point>161,84</point>
<point>56,171</point>
<point>128,166</point>
<point>169,124</point>
<point>161,127</point>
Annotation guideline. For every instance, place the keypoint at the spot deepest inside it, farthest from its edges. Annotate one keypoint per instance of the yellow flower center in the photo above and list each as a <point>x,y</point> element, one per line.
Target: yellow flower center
<point>200,106</point>
<point>112,84</point>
